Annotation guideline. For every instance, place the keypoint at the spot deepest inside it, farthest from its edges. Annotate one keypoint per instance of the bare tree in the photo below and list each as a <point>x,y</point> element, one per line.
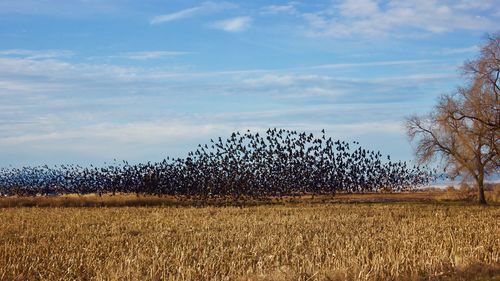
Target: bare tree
<point>484,72</point>
<point>463,129</point>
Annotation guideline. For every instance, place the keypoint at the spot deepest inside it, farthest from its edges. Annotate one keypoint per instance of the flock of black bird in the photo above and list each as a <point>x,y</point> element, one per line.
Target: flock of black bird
<point>246,165</point>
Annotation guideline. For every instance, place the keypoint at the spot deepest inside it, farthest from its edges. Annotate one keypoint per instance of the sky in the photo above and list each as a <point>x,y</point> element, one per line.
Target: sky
<point>88,81</point>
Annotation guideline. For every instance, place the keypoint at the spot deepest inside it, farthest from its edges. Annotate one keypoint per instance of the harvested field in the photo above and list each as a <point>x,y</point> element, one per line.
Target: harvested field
<point>268,242</point>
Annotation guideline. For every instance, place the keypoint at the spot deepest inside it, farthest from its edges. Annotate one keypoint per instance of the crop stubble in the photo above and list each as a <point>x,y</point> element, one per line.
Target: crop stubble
<point>302,242</point>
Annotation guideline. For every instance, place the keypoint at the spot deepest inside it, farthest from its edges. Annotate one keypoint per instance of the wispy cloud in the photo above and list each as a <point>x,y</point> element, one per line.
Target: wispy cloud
<point>368,64</point>
<point>138,133</point>
<point>204,8</point>
<point>236,24</point>
<point>398,18</point>
<point>147,55</point>
<point>267,80</point>
<point>36,54</point>
<point>14,86</point>
<point>454,51</point>
<point>176,16</point>
<point>153,141</point>
<point>359,8</point>
<point>178,131</point>
<point>279,9</point>
<point>107,110</point>
<point>65,9</point>
<point>476,5</point>
<point>53,70</point>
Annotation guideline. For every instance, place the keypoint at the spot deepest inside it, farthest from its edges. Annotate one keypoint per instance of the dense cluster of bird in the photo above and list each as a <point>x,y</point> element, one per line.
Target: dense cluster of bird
<point>246,165</point>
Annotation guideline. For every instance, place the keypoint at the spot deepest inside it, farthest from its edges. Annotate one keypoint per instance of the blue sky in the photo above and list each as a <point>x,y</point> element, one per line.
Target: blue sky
<point>86,81</point>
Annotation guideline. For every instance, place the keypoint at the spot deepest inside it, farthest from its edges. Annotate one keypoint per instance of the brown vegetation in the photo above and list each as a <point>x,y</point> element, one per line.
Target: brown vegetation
<point>467,193</point>
<point>464,194</point>
<point>270,242</point>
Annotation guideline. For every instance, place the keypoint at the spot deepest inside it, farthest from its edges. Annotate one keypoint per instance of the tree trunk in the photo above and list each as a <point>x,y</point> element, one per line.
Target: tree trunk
<point>480,187</point>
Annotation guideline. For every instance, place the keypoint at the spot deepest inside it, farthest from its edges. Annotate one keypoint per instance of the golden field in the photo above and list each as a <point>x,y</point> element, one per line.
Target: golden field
<point>360,241</point>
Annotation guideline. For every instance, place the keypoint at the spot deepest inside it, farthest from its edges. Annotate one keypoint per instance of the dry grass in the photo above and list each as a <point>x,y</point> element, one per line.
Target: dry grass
<point>467,193</point>
<point>272,242</point>
<point>131,200</point>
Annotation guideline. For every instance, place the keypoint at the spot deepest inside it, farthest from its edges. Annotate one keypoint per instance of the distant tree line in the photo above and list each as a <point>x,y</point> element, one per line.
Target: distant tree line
<point>246,165</point>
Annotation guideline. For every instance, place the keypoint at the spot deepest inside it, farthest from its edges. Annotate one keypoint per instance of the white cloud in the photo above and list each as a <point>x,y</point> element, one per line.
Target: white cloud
<point>282,80</point>
<point>236,24</point>
<point>33,88</point>
<point>146,55</point>
<point>397,18</point>
<point>103,111</point>
<point>58,74</point>
<point>279,9</point>
<point>176,16</point>
<point>139,133</point>
<point>154,141</point>
<point>29,86</point>
<point>179,130</point>
<point>205,7</point>
<point>359,8</point>
<point>415,78</point>
<point>475,4</point>
<point>367,64</point>
<point>319,91</point>
<point>454,51</point>
<point>36,54</point>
